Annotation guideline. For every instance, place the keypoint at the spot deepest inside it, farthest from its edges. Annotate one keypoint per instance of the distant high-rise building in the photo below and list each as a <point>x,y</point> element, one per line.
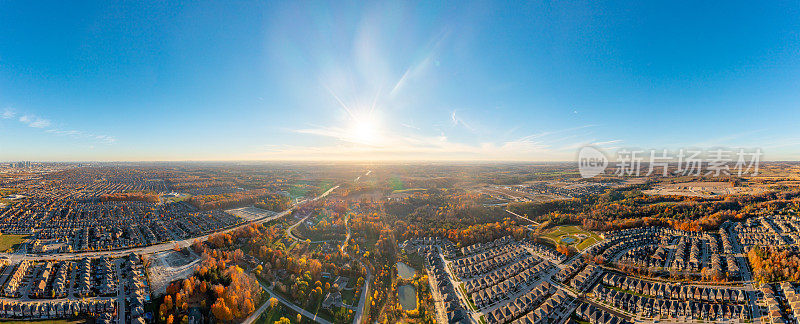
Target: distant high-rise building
<point>22,165</point>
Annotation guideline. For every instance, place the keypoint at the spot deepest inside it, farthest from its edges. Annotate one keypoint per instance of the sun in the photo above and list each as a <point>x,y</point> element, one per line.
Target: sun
<point>365,131</point>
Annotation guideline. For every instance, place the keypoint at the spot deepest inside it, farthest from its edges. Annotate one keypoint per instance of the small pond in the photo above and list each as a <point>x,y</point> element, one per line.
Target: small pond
<point>407,295</point>
<point>405,271</point>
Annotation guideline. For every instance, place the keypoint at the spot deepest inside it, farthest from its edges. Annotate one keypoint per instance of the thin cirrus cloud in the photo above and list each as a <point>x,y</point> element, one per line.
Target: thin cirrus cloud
<point>45,124</point>
<point>411,145</point>
<point>34,121</point>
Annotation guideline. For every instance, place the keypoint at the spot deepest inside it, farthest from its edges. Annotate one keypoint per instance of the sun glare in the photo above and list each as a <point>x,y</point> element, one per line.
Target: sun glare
<point>365,130</point>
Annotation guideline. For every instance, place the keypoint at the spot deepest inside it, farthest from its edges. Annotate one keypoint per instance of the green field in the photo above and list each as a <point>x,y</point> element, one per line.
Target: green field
<point>180,198</point>
<point>409,190</point>
<point>272,315</point>
<point>8,241</point>
<point>555,234</point>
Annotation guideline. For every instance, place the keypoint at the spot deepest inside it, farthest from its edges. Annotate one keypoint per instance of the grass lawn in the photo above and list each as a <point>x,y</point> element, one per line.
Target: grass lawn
<point>180,198</point>
<point>274,314</point>
<point>311,305</point>
<point>409,190</point>
<point>8,241</point>
<point>586,243</point>
<point>349,296</point>
<point>555,234</point>
<point>469,299</point>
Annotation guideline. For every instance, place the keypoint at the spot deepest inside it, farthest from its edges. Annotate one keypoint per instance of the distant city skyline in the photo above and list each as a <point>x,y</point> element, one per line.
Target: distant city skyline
<point>474,81</point>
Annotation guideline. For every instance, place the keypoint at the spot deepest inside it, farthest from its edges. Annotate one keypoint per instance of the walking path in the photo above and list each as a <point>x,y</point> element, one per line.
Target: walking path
<point>523,217</point>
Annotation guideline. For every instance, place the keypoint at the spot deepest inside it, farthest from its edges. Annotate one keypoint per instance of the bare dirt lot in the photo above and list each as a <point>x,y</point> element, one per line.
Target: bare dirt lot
<point>250,213</point>
<point>169,266</point>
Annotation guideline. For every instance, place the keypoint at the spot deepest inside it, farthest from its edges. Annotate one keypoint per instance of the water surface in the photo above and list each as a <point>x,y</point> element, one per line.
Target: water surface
<point>407,294</point>
<point>405,271</point>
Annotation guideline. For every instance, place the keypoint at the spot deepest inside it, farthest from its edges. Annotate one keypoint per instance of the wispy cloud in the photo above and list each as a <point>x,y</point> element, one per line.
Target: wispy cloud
<point>459,121</point>
<point>8,113</point>
<point>410,145</point>
<point>76,134</point>
<point>34,121</point>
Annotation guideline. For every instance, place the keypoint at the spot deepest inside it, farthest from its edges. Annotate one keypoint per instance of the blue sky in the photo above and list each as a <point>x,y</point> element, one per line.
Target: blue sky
<point>466,80</point>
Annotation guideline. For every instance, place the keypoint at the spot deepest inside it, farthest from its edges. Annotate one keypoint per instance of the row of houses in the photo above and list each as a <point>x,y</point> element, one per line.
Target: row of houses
<point>584,279</point>
<point>570,270</point>
<point>488,261</point>
<point>774,309</point>
<point>56,309</point>
<point>521,305</point>
<point>674,290</point>
<point>480,247</point>
<point>792,299</point>
<point>644,256</point>
<point>60,288</point>
<point>84,281</point>
<point>443,285</point>
<point>623,243</point>
<point>497,276</point>
<point>419,245</point>
<point>12,286</point>
<point>107,277</point>
<point>654,307</point>
<point>492,295</point>
<point>595,315</point>
<point>725,238</point>
<point>692,260</point>
<point>546,252</point>
<point>41,279</point>
<point>136,289</point>
<point>548,312</point>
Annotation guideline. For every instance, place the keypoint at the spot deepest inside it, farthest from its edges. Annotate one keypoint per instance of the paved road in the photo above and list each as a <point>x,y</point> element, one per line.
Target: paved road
<point>291,228</point>
<point>253,317</point>
<point>121,291</point>
<point>153,248</point>
<point>362,301</point>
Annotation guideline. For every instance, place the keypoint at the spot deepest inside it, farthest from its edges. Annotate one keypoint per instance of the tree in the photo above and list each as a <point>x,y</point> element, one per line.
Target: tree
<point>273,302</point>
<point>221,311</point>
<point>283,320</point>
<point>247,307</point>
<point>168,302</point>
